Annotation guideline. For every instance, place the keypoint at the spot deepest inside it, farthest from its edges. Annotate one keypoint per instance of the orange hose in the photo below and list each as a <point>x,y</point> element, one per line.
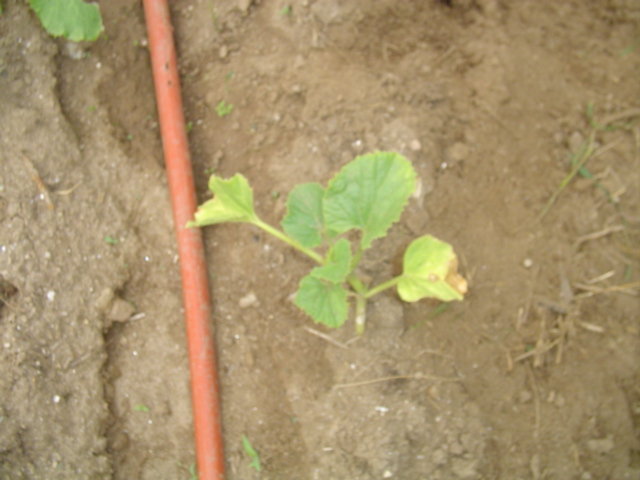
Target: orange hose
<point>195,289</point>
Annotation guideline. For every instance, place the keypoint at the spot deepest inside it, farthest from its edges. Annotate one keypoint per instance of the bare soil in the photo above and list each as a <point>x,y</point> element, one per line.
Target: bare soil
<point>535,375</point>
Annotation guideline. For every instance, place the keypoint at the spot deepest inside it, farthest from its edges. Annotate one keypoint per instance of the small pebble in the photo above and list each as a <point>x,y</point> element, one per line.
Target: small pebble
<point>248,300</point>
<point>120,310</point>
<point>464,467</point>
<point>434,392</point>
<point>74,50</point>
<point>244,5</point>
<point>456,448</point>
<point>601,445</point>
<point>439,457</point>
<point>527,263</point>
<point>387,474</point>
<point>458,152</point>
<point>223,52</point>
<point>415,145</point>
<point>51,295</point>
<point>525,396</point>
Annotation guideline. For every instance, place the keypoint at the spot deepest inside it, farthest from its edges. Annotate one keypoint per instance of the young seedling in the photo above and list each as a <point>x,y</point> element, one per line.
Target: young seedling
<point>223,108</point>
<point>367,195</point>
<point>587,150</point>
<point>255,458</point>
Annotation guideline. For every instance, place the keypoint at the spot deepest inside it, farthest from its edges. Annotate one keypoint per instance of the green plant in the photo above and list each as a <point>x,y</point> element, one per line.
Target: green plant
<point>223,108</point>
<point>367,195</point>
<point>248,448</point>
<point>587,150</point>
<point>192,472</point>
<point>72,19</point>
<point>111,240</point>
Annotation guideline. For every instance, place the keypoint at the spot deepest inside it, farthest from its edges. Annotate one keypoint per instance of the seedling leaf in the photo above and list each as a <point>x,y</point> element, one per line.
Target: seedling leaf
<point>304,220</point>
<point>232,202</point>
<point>72,19</point>
<point>338,263</point>
<point>248,448</point>
<point>223,108</point>
<point>369,194</point>
<point>430,270</point>
<point>325,302</point>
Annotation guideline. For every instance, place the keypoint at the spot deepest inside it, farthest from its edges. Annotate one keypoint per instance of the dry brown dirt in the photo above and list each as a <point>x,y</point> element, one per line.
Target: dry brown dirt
<point>535,375</point>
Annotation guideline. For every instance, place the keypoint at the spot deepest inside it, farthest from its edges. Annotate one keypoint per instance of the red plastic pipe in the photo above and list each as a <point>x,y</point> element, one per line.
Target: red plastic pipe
<point>195,288</point>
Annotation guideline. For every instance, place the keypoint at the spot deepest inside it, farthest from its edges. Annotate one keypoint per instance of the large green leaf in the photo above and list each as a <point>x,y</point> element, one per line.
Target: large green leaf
<point>304,220</point>
<point>338,264</point>
<point>369,194</point>
<point>430,270</point>
<point>72,19</point>
<point>232,202</point>
<point>325,302</point>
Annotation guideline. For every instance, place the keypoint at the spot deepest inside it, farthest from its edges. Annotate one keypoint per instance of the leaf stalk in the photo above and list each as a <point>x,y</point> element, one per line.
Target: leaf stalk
<point>383,286</point>
<point>288,240</point>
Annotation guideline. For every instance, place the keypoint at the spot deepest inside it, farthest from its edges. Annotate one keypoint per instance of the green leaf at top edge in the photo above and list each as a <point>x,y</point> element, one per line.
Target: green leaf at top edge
<point>232,202</point>
<point>304,220</point>
<point>324,302</point>
<point>369,194</point>
<point>430,271</point>
<point>338,264</point>
<point>73,19</point>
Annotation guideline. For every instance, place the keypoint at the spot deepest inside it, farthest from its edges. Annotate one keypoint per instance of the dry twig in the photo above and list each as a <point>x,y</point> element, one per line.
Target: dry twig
<point>326,337</point>
<point>524,313</point>
<point>416,376</point>
<point>590,290</point>
<point>35,176</point>
<point>536,398</point>
<point>595,235</point>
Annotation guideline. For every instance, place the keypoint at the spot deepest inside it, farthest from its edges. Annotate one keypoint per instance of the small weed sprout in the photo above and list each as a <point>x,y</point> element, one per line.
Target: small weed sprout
<point>192,472</point>
<point>223,108</point>
<point>367,195</point>
<point>249,450</point>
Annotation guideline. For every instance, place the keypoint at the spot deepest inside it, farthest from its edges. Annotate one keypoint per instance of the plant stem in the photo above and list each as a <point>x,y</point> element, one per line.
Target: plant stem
<point>357,284</point>
<point>381,287</point>
<point>288,240</point>
<point>361,314</point>
<point>356,258</point>
<point>578,162</point>
<point>361,302</point>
